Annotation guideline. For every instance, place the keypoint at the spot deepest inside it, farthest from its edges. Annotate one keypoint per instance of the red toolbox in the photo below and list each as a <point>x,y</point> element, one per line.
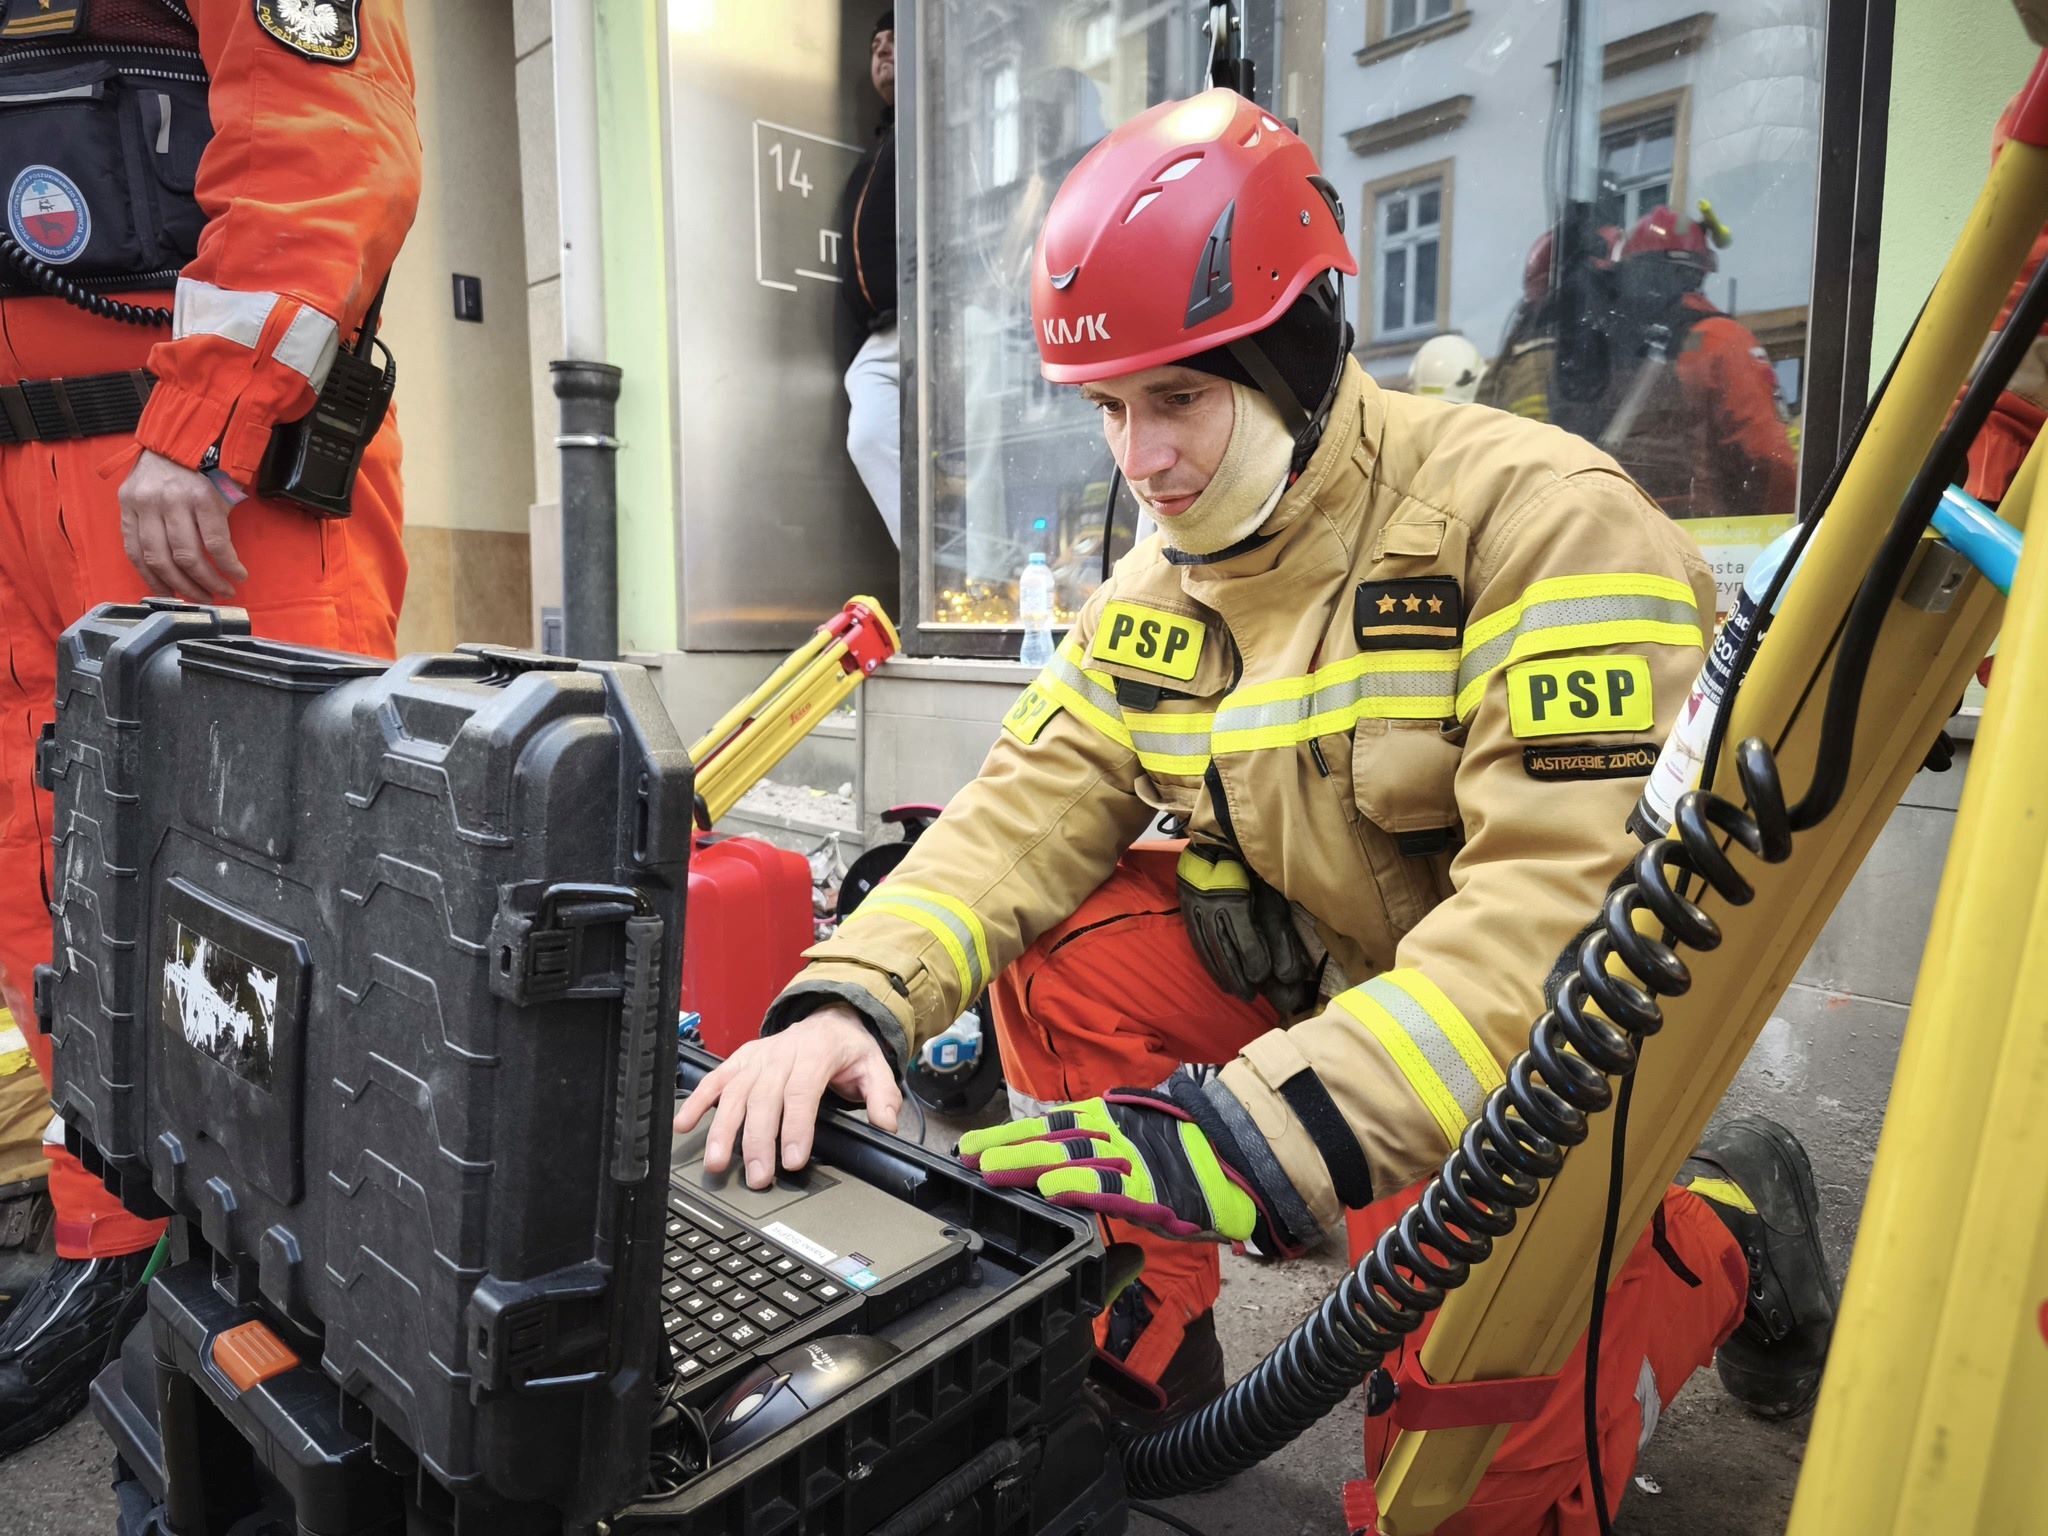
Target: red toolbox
<point>749,924</point>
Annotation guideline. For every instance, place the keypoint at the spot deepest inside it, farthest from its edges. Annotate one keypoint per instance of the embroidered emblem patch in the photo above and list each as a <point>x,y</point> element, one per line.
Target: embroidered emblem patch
<point>1558,765</point>
<point>1150,639</point>
<point>1426,614</point>
<point>324,30</point>
<point>1028,715</point>
<point>48,215</point>
<point>1579,695</point>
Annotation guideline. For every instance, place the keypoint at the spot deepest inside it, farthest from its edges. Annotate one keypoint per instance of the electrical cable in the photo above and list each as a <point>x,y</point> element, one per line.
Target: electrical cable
<point>1173,1522</point>
<point>1866,614</point>
<point>1116,480</point>
<point>57,285</point>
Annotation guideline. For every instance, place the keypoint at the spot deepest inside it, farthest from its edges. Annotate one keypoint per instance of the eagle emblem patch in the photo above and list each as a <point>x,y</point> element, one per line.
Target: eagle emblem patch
<point>324,30</point>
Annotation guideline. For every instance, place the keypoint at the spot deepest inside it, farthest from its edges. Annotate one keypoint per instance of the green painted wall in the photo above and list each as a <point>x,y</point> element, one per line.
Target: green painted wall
<point>637,317</point>
<point>1955,64</point>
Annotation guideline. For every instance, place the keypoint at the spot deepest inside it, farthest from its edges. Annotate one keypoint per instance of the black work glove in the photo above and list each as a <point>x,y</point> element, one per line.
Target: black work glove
<point>1243,930</point>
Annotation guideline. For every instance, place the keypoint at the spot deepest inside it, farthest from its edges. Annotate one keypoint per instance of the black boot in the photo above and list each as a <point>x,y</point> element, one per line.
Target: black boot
<point>1192,1378</point>
<point>1755,1176</point>
<point>27,1240</point>
<point>54,1342</point>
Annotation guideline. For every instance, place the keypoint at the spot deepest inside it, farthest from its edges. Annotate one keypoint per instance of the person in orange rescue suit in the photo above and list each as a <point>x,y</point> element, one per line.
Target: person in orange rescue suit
<point>1397,666</point>
<point>254,167</point>
<point>1695,414</point>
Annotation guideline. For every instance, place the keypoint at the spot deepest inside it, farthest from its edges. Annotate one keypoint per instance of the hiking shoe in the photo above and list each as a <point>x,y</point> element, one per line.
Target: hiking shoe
<point>1755,1177</point>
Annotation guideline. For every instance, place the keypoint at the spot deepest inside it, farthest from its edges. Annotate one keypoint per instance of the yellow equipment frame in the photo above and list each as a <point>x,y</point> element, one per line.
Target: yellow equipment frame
<point>1925,1410</point>
<point>758,732</point>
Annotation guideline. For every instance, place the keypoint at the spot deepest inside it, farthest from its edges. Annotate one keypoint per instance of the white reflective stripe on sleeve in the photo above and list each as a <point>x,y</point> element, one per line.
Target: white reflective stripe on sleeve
<point>309,345</point>
<point>201,309</point>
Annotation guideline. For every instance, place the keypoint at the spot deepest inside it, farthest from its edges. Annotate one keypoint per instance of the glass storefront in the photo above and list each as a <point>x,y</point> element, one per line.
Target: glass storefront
<point>1612,200</point>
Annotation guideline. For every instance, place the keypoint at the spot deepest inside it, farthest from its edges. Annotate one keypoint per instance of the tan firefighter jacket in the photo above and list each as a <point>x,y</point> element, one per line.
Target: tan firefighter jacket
<point>1422,710</point>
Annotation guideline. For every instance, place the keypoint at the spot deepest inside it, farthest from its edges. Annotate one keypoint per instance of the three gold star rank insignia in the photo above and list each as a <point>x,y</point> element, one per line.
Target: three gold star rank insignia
<point>1427,614</point>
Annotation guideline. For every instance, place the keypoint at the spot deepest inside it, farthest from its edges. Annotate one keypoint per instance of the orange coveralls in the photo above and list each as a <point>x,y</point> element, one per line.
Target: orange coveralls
<point>1116,995</point>
<point>309,186</point>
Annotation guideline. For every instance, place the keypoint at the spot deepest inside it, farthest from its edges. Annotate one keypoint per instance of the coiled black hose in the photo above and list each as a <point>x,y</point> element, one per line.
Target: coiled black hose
<point>1518,1140</point>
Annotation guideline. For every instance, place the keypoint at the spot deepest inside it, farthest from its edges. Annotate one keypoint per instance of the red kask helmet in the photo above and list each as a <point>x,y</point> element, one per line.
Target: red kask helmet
<point>1660,232</point>
<point>1193,225</point>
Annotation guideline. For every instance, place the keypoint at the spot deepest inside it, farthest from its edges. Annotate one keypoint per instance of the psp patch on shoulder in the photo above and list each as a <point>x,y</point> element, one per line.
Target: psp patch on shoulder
<point>1426,614</point>
<point>1150,640</point>
<point>48,215</point>
<point>1559,765</point>
<point>1028,715</point>
<point>322,30</point>
<point>1580,695</point>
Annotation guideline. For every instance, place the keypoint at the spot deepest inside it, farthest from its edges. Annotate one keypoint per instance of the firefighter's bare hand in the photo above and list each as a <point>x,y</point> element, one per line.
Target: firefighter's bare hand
<point>775,1085</point>
<point>174,526</point>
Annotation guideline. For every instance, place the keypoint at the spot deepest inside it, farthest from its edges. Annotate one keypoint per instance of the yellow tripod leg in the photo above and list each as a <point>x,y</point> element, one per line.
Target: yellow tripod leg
<point>1934,1413</point>
<point>1524,1310</point>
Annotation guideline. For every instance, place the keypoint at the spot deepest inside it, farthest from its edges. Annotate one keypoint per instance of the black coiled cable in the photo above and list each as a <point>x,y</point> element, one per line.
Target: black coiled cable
<point>1518,1140</point>
<point>57,285</point>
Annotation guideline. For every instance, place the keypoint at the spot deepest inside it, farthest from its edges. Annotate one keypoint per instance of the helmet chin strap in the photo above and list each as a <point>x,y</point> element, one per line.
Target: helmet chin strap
<point>1304,426</point>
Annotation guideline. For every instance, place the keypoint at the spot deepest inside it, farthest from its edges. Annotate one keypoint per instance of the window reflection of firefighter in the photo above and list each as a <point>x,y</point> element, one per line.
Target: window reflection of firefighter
<point>1693,412</point>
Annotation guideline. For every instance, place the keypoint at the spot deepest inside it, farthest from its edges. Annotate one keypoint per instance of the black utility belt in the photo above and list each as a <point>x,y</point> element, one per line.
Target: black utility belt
<point>61,410</point>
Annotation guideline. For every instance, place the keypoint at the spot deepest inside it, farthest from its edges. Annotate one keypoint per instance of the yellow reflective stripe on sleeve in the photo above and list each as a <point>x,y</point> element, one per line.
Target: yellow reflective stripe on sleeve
<point>1090,695</point>
<point>880,905</point>
<point>1432,1044</point>
<point>969,923</point>
<point>1576,613</point>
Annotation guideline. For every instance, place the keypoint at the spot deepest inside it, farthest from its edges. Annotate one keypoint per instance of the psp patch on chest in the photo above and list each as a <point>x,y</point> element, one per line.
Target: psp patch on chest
<point>1427,614</point>
<point>1580,695</point>
<point>1150,639</point>
<point>322,30</point>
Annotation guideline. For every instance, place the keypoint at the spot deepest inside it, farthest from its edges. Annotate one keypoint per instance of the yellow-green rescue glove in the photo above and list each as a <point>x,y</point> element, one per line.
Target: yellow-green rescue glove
<point>1167,1163</point>
<point>1243,930</point>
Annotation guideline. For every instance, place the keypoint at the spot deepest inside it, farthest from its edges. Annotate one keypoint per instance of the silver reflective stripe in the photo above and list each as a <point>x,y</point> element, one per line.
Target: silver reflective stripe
<point>1169,744</point>
<point>1430,1039</point>
<point>1334,698</point>
<point>1570,613</point>
<point>201,309</point>
<point>308,345</point>
<point>1102,698</point>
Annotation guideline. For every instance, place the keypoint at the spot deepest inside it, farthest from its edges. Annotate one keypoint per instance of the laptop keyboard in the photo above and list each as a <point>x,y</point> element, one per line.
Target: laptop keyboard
<point>728,1293</point>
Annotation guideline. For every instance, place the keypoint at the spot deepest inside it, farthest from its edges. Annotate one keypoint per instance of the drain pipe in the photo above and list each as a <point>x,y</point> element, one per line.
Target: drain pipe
<point>586,386</point>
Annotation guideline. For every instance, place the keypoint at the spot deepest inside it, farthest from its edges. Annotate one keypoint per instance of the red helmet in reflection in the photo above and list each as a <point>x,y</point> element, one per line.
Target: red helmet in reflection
<point>1684,242</point>
<point>1536,268</point>
<point>1194,225</point>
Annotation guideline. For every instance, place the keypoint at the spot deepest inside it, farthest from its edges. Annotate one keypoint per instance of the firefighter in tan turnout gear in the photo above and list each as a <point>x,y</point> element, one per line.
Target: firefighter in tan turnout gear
<point>1398,666</point>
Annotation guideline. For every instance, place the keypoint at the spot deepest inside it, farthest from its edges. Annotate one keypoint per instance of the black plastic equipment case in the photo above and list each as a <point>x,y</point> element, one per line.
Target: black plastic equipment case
<point>370,971</point>
<point>980,1427</point>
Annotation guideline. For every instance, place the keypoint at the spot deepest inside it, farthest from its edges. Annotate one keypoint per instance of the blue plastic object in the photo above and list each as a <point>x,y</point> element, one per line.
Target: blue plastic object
<point>1980,535</point>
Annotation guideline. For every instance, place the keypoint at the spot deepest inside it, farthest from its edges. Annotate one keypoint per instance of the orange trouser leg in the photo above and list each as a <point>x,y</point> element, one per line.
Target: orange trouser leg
<point>1115,997</point>
<point>311,582</point>
<point>1678,1295</point>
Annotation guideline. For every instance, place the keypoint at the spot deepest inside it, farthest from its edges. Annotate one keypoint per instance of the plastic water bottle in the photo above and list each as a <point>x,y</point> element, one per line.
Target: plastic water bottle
<point>1685,749</point>
<point>1034,608</point>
